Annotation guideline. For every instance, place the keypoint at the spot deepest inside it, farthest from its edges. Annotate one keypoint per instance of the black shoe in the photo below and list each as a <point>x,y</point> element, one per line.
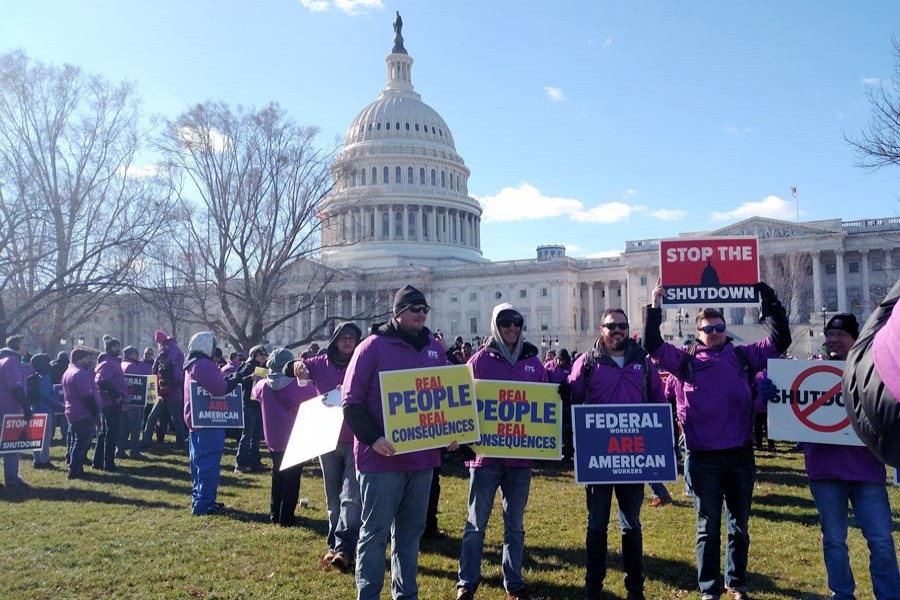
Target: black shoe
<point>45,465</point>
<point>434,534</point>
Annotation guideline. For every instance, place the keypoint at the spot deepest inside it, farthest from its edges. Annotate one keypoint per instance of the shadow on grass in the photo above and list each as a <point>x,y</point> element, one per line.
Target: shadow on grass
<point>74,493</point>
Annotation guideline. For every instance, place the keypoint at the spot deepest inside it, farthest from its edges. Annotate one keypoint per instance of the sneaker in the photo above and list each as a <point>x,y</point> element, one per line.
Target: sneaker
<point>44,465</point>
<point>659,501</point>
<point>326,560</point>
<point>17,484</point>
<point>738,594</point>
<point>464,594</point>
<point>342,562</point>
<point>434,534</point>
<point>242,470</point>
<point>520,594</point>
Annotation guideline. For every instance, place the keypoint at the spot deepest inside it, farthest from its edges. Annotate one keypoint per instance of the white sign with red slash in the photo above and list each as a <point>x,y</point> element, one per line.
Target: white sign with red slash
<point>810,404</point>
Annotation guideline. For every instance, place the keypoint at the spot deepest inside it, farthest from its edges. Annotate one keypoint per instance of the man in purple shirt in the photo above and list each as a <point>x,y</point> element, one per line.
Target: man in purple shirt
<point>13,400</point>
<point>715,408</point>
<point>81,400</point>
<point>843,475</point>
<point>394,487</point>
<point>113,391</point>
<point>615,371</point>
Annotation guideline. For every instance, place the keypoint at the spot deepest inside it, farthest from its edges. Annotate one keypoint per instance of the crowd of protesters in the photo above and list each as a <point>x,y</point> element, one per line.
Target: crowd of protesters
<point>374,495</point>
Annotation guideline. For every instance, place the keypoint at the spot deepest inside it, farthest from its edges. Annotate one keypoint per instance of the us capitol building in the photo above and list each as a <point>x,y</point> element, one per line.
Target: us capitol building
<point>400,212</point>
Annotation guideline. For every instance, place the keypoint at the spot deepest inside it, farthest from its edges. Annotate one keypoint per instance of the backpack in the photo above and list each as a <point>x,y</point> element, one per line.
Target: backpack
<point>590,361</point>
<point>686,369</point>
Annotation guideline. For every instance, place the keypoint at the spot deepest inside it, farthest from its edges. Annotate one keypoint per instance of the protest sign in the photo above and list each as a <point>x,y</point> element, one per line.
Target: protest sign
<point>137,389</point>
<point>429,408</point>
<point>316,429</point>
<point>59,394</point>
<point>152,393</point>
<point>224,412</point>
<point>810,405</point>
<point>712,271</point>
<point>19,435</point>
<point>623,443</point>
<point>519,420</point>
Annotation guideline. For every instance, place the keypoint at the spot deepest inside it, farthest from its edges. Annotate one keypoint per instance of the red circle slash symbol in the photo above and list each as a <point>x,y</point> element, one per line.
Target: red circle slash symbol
<point>805,414</point>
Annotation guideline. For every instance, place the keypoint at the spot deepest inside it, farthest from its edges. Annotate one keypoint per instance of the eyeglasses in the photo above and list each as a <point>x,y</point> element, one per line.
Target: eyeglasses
<point>614,326</point>
<point>707,329</point>
<point>510,322</point>
<point>347,338</point>
<point>419,308</point>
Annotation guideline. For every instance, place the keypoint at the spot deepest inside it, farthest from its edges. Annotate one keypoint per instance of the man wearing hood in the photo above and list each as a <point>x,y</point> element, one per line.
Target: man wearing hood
<point>13,400</point>
<point>113,391</point>
<point>169,370</point>
<point>338,467</point>
<point>715,408</point>
<point>131,415</point>
<point>82,406</point>
<point>615,371</point>
<point>394,487</point>
<point>841,476</point>
<point>279,397</point>
<point>44,399</point>
<point>206,444</point>
<point>248,459</point>
<point>506,357</point>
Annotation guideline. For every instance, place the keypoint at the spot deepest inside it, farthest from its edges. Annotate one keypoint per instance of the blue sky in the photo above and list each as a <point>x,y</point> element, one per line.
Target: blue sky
<point>583,123</point>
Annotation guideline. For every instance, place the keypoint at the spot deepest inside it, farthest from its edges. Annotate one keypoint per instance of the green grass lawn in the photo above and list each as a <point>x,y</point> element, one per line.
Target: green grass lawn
<point>131,535</point>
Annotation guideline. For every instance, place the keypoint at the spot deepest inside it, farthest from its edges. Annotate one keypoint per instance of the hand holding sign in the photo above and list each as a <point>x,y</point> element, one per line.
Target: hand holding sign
<point>383,447</point>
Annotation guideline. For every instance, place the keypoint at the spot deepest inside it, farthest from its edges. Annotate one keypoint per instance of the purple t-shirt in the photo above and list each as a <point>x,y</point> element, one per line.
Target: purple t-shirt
<point>327,376</point>
<point>362,386</point>
<point>488,364</point>
<point>279,409</point>
<point>77,384</point>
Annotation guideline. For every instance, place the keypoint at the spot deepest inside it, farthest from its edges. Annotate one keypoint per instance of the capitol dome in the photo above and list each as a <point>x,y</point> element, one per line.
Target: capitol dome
<point>401,191</point>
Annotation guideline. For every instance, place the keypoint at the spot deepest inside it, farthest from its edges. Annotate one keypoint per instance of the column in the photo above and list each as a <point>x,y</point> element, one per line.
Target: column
<point>353,305</point>
<point>591,318</point>
<point>432,229</point>
<point>391,226</point>
<point>477,233</point>
<point>841,283</point>
<point>405,222</point>
<point>818,302</point>
<point>865,295</point>
<point>606,291</point>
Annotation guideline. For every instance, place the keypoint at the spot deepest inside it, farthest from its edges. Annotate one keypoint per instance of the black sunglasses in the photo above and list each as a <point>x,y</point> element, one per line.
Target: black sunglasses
<point>707,329</point>
<point>510,321</point>
<point>419,308</point>
<point>614,326</point>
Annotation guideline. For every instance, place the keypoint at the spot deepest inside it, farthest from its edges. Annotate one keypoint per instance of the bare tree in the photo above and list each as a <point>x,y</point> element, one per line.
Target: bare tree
<point>77,216</point>
<point>879,145</point>
<point>252,179</point>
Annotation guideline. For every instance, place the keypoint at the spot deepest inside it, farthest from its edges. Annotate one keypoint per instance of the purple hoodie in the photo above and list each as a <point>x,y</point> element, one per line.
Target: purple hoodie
<point>716,408</point>
<point>280,398</point>
<point>11,376</point>
<point>109,370</point>
<point>362,386</point>
<point>556,373</point>
<point>176,357</point>
<point>77,384</point>
<point>488,364</point>
<point>204,371</point>
<point>611,384</point>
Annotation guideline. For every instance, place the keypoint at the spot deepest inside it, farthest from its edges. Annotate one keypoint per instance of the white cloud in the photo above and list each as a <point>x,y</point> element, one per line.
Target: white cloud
<point>770,206</point>
<point>526,203</point>
<point>611,212</point>
<point>668,214</point>
<point>216,139</point>
<point>604,254</point>
<point>607,42</point>
<point>555,94</point>
<point>137,172</point>
<point>351,7</point>
<point>871,81</point>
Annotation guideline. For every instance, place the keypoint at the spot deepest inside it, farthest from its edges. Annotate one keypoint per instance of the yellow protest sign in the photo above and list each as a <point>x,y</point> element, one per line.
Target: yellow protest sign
<point>429,408</point>
<point>152,394</point>
<point>519,420</point>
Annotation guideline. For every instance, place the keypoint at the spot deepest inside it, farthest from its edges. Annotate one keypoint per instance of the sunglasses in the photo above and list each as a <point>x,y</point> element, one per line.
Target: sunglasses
<point>419,308</point>
<point>510,322</point>
<point>707,329</point>
<point>614,326</point>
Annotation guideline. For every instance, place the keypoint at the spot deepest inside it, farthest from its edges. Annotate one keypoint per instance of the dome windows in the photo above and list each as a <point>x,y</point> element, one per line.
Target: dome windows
<point>397,127</point>
<point>378,126</point>
<point>409,175</point>
<point>386,175</point>
<point>407,126</point>
<point>370,127</point>
<point>417,126</point>
<point>398,175</point>
<point>387,126</point>
<point>433,178</point>
<point>421,174</point>
<point>374,175</point>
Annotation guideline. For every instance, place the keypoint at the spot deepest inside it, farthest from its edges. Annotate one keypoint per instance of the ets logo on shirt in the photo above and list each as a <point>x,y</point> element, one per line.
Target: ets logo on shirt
<point>529,369</point>
<point>432,354</point>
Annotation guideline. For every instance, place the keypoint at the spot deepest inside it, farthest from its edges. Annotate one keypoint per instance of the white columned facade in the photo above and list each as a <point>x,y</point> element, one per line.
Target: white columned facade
<point>818,301</point>
<point>841,280</point>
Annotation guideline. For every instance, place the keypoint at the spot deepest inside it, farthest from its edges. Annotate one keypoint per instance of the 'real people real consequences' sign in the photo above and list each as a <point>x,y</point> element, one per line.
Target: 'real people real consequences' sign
<point>519,420</point>
<point>810,403</point>
<point>208,411</point>
<point>623,443</point>
<point>712,271</point>
<point>429,408</point>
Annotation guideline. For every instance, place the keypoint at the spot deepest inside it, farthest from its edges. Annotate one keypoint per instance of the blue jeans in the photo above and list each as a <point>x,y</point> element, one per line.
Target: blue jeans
<point>108,437</point>
<point>718,475</point>
<point>872,512</point>
<point>514,484</point>
<point>285,490</point>
<point>11,468</point>
<point>599,503</point>
<point>393,503</point>
<point>173,406</point>
<point>659,490</point>
<point>79,438</point>
<point>42,456</point>
<point>342,499</point>
<point>248,448</point>
<point>206,447</point>
<point>131,427</point>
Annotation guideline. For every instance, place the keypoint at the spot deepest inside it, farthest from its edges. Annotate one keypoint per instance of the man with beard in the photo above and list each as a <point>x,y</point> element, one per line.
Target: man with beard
<point>615,371</point>
<point>81,400</point>
<point>715,408</point>
<point>110,381</point>
<point>840,476</point>
<point>13,400</point>
<point>338,468</point>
